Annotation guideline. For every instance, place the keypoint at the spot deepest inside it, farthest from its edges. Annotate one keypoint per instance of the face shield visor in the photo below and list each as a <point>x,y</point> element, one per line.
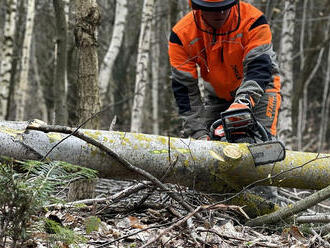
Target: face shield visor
<point>215,13</point>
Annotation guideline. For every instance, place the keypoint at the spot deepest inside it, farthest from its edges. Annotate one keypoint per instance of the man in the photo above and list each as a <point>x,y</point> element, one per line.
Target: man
<point>231,43</point>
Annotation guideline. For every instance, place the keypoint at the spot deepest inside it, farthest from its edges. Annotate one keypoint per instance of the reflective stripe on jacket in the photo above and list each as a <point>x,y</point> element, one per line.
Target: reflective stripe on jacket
<point>237,66</point>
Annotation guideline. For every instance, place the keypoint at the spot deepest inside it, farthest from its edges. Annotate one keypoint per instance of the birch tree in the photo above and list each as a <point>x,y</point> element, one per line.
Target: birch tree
<point>106,67</point>
<point>7,51</point>
<point>60,79</point>
<point>142,62</point>
<point>286,65</point>
<point>21,88</point>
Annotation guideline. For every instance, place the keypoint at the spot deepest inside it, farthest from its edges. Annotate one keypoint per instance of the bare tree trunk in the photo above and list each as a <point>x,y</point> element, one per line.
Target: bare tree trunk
<point>40,94</point>
<point>21,89</point>
<point>66,10</point>
<point>141,80</point>
<point>7,51</point>
<point>105,76</point>
<point>325,107</point>
<point>302,36</point>
<point>155,52</point>
<point>286,65</point>
<point>60,79</point>
<point>87,20</point>
<point>303,103</point>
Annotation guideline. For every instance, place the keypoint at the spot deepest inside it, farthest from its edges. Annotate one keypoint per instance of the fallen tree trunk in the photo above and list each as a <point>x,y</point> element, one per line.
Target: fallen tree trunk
<point>205,166</point>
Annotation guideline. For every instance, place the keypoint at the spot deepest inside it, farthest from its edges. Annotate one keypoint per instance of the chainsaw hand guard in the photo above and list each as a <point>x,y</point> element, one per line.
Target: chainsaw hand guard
<point>239,126</point>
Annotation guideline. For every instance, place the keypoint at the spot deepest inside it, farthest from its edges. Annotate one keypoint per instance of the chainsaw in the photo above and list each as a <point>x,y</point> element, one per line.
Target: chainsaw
<point>240,126</point>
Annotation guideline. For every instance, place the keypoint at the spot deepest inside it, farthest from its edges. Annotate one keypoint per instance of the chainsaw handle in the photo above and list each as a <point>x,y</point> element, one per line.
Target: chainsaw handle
<point>213,127</point>
<point>263,132</point>
<point>258,130</point>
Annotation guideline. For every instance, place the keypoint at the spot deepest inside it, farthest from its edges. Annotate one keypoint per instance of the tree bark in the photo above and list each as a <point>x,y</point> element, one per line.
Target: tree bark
<point>155,59</point>
<point>21,88</point>
<point>87,20</point>
<point>60,79</point>
<point>116,41</point>
<point>318,218</point>
<point>7,51</point>
<point>286,65</point>
<point>40,88</point>
<point>142,63</point>
<point>203,165</point>
<point>325,105</point>
<point>303,103</point>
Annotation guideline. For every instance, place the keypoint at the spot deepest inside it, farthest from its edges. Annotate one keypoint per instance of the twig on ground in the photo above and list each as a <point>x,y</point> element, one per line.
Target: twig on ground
<point>187,217</point>
<point>221,235</point>
<point>319,218</point>
<point>178,223</point>
<point>295,196</point>
<point>323,230</point>
<point>123,161</point>
<point>132,234</point>
<point>111,199</point>
<point>299,206</point>
<point>326,243</point>
<point>287,201</point>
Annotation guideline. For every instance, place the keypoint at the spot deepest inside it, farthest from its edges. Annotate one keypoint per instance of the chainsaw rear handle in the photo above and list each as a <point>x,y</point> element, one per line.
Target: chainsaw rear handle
<point>250,126</point>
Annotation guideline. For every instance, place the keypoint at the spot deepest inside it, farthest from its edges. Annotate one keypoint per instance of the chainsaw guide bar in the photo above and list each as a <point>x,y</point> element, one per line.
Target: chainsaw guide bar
<point>267,152</point>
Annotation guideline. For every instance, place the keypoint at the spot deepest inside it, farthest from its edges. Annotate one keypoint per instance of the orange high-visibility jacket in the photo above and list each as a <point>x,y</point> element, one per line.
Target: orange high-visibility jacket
<point>237,66</point>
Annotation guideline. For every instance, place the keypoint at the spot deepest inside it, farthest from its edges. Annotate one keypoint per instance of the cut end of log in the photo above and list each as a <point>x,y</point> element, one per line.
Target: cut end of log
<point>216,156</point>
<point>232,152</point>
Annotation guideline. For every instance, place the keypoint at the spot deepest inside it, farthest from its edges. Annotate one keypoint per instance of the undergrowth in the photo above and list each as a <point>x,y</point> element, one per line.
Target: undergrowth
<point>26,187</point>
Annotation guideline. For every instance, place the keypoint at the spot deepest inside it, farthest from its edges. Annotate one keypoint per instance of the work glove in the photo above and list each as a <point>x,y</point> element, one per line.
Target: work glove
<point>238,106</point>
<point>235,106</point>
<point>204,137</point>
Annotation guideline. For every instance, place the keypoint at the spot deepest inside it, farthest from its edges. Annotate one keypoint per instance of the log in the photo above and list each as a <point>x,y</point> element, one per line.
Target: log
<point>208,166</point>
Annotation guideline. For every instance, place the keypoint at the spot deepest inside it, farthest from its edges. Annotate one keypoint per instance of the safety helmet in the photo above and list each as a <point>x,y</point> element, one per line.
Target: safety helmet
<point>212,5</point>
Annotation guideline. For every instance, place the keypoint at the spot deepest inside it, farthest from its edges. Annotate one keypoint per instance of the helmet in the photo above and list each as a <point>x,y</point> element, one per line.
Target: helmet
<point>212,5</point>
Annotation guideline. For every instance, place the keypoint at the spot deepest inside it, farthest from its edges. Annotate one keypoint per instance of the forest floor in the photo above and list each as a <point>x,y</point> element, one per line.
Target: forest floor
<point>150,218</point>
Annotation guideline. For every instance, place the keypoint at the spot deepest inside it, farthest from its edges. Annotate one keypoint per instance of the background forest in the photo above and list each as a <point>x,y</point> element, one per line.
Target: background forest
<point>40,65</point>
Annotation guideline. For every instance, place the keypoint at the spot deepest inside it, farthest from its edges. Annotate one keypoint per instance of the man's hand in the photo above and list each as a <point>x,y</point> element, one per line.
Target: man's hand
<point>204,137</point>
<point>240,118</point>
<point>236,106</point>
